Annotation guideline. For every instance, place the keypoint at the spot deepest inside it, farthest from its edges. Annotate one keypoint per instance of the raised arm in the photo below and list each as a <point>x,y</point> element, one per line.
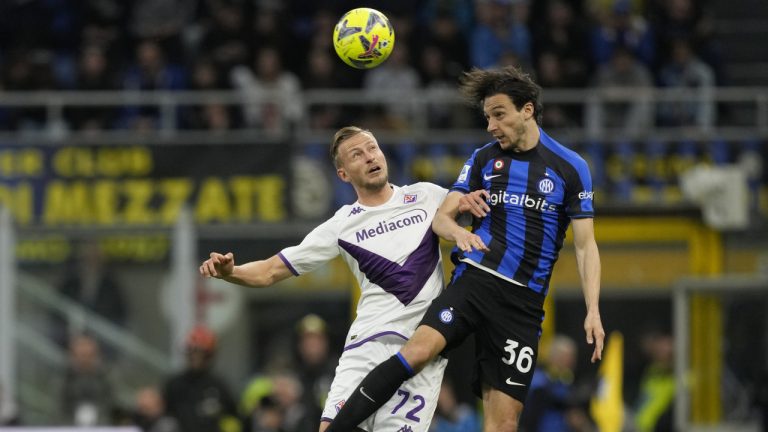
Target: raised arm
<point>444,224</point>
<point>256,274</point>
<point>588,261</point>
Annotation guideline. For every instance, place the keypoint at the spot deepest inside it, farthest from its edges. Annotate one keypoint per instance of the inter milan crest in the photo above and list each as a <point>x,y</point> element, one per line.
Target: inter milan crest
<point>546,186</point>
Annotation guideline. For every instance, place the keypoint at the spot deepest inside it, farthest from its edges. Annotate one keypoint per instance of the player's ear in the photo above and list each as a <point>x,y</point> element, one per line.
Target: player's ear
<point>342,174</point>
<point>528,109</point>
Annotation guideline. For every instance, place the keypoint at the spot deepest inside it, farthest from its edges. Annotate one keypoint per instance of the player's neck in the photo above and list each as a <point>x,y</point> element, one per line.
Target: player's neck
<point>375,197</point>
<point>531,138</point>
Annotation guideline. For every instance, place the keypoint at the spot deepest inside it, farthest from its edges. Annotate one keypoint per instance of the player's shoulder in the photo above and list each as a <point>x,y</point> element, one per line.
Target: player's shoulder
<point>343,213</point>
<point>425,187</point>
<point>487,150</point>
<point>561,151</point>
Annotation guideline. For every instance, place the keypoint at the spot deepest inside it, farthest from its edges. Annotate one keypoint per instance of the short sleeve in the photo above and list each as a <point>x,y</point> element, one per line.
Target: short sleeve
<point>579,197</point>
<point>469,178</point>
<point>318,247</point>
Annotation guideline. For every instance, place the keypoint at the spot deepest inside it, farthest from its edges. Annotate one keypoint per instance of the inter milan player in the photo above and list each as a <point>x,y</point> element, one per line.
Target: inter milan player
<point>387,241</point>
<point>535,187</point>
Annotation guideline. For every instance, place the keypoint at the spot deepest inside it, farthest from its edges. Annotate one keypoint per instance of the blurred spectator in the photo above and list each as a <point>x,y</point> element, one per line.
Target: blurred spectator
<point>686,19</point>
<point>322,26</point>
<point>621,27</point>
<point>444,35</point>
<point>461,12</point>
<point>87,397</point>
<point>322,73</point>
<point>267,416</point>
<point>151,71</point>
<point>227,39</point>
<point>212,116</point>
<point>102,28</point>
<point>298,415</point>
<point>162,21</point>
<point>256,390</point>
<point>9,415</point>
<point>272,94</point>
<point>393,83</point>
<point>93,73</point>
<point>315,365</point>
<point>549,406</point>
<point>434,75</point>
<point>563,35</point>
<point>501,26</point>
<point>551,75</point>
<point>150,413</point>
<point>629,117</point>
<point>269,31</point>
<point>197,397</point>
<point>657,385</point>
<point>696,81</point>
<point>452,416</point>
<point>28,71</point>
<point>89,281</point>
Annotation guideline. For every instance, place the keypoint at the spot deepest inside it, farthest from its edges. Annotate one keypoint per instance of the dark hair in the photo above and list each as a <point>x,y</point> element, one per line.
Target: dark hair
<point>478,84</point>
<point>342,135</point>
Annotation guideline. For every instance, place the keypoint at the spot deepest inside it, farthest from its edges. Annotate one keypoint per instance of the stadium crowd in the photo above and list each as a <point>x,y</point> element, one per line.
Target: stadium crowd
<point>257,45</point>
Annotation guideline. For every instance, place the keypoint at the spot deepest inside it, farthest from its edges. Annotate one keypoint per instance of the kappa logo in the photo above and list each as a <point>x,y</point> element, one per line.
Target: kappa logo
<point>355,211</point>
<point>405,428</point>
<point>409,198</point>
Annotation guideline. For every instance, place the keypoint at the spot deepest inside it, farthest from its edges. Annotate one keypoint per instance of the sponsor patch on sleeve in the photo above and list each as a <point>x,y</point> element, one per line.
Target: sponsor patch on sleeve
<point>464,173</point>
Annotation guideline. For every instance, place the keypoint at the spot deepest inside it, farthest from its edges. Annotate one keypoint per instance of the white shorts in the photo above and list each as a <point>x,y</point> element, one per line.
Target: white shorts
<point>410,408</point>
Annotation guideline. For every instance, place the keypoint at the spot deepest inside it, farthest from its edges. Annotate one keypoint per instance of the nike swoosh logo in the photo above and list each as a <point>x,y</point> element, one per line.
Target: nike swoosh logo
<point>509,381</point>
<point>362,390</point>
<point>488,177</point>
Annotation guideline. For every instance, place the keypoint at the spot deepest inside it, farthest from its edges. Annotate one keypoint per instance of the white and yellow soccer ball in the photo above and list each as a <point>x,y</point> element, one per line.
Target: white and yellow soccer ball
<point>363,38</point>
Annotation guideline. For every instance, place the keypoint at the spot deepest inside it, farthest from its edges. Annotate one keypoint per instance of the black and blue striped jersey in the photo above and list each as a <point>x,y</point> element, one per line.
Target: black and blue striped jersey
<point>533,196</point>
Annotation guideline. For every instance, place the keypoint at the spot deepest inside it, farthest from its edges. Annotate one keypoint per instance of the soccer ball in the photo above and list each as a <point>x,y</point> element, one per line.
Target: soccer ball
<point>363,38</point>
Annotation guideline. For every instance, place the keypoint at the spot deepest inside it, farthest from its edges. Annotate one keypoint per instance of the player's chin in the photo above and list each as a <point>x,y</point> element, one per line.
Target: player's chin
<point>377,182</point>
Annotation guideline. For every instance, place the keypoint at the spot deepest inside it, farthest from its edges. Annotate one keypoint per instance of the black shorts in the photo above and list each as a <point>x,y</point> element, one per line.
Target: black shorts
<point>506,319</point>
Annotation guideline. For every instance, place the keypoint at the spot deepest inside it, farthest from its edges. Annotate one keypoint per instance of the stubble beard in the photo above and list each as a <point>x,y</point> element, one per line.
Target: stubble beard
<point>376,185</point>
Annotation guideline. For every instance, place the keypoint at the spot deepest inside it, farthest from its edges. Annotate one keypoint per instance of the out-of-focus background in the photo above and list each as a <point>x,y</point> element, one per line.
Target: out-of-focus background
<point>138,136</point>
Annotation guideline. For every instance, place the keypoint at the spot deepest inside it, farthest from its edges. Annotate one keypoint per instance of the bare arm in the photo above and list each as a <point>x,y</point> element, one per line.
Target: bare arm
<point>588,261</point>
<point>444,224</point>
<point>257,274</point>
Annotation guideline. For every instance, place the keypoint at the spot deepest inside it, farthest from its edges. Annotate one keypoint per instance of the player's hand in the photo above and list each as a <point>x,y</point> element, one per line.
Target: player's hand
<point>218,265</point>
<point>467,241</point>
<point>475,203</point>
<point>593,326</point>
